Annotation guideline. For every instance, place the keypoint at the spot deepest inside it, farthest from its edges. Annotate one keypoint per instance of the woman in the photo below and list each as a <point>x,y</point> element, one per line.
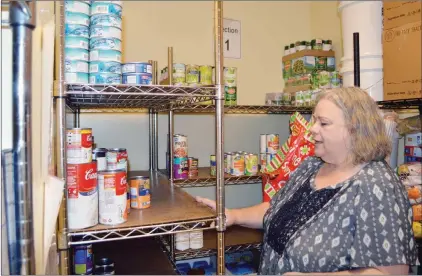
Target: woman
<point>343,211</point>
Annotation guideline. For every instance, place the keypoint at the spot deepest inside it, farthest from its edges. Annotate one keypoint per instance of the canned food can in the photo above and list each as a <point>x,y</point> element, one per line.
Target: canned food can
<point>299,98</point>
<point>76,66</point>
<point>137,67</point>
<point>105,55</point>
<point>179,74</point>
<point>228,165</point>
<point>112,186</point>
<point>107,20</point>
<point>263,143</point>
<point>117,159</point>
<point>82,195</point>
<point>225,162</point>
<point>230,76</point>
<point>76,54</point>
<point>105,43</point>
<point>79,145</point>
<point>205,75</point>
<point>140,192</point>
<point>76,78</point>
<point>82,259</point>
<point>105,32</point>
<point>230,95</point>
<point>106,7</point>
<point>192,75</point>
<point>213,165</point>
<point>120,3</point>
<point>105,78</point>
<point>76,18</point>
<point>77,6</point>
<point>99,155</point>
<point>263,160</point>
<point>105,271</point>
<point>273,143</point>
<point>105,67</point>
<point>76,42</point>
<point>180,168</point>
<point>71,30</point>
<point>193,167</point>
<point>137,78</point>
<point>104,262</point>
<point>251,164</point>
<point>238,165</point>
<point>180,146</point>
<point>270,157</point>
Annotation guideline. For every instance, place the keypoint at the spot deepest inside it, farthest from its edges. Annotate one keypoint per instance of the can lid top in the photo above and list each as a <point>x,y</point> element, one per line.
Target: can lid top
<point>139,177</point>
<point>100,150</point>
<point>117,149</point>
<point>110,171</point>
<point>104,261</point>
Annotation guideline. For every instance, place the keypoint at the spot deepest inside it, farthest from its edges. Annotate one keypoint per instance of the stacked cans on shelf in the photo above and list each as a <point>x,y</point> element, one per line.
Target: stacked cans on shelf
<point>105,42</point>
<point>83,262</point>
<point>241,163</point>
<point>184,167</point>
<point>76,39</point>
<point>138,73</point>
<point>189,240</point>
<point>269,144</point>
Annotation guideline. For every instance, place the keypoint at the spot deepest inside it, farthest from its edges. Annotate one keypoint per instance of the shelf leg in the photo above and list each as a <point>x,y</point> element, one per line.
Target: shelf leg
<point>151,140</point>
<point>171,145</point>
<point>60,140</point>
<point>22,23</point>
<point>155,140</point>
<point>219,115</point>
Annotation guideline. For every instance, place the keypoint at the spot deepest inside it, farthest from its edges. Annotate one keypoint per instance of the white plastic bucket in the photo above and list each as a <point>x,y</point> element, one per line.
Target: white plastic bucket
<point>371,75</point>
<point>364,17</point>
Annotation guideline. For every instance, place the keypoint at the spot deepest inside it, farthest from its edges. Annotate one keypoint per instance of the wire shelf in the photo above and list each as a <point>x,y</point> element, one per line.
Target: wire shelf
<point>246,109</point>
<point>158,97</point>
<point>401,104</point>
<point>193,254</point>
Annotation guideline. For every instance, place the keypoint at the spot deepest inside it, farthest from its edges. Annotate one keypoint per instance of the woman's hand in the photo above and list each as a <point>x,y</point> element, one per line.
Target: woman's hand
<point>230,217</point>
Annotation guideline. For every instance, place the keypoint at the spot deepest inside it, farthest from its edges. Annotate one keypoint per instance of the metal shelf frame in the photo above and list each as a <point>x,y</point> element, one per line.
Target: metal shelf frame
<point>121,98</point>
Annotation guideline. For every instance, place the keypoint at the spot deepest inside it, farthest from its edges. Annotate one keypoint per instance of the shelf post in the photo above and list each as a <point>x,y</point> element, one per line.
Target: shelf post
<point>155,140</point>
<point>151,139</point>
<point>171,145</point>
<point>219,115</point>
<point>60,140</point>
<point>22,23</point>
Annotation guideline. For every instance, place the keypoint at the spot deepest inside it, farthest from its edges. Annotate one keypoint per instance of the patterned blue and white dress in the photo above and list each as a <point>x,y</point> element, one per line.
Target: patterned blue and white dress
<point>365,221</point>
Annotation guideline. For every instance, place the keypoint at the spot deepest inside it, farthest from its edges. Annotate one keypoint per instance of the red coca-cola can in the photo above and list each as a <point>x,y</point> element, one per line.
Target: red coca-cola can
<point>82,194</point>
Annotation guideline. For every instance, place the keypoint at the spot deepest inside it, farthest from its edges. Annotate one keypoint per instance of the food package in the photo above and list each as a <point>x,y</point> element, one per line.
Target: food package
<point>299,146</point>
<point>417,212</point>
<point>417,229</point>
<point>409,125</point>
<point>410,173</point>
<point>415,194</point>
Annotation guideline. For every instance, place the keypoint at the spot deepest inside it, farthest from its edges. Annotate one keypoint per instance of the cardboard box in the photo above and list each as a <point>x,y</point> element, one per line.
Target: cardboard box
<point>399,13</point>
<point>402,62</point>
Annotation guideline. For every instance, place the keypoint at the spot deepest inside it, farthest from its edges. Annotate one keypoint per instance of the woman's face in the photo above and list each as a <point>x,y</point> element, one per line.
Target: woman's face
<point>332,139</point>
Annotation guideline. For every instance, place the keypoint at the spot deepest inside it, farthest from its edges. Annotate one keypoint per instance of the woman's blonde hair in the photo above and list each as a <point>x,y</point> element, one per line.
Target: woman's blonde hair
<point>369,138</point>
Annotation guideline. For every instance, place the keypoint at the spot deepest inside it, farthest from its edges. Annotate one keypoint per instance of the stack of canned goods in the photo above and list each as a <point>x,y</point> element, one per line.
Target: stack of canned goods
<point>230,85</point>
<point>76,51</point>
<point>180,153</point>
<point>240,163</point>
<point>83,262</point>
<point>82,189</point>
<point>105,42</point>
<point>139,73</point>
<point>189,74</point>
<point>269,144</point>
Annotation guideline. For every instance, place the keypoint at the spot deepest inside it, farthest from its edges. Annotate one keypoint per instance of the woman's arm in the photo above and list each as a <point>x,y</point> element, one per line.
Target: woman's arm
<point>251,217</point>
<point>380,270</point>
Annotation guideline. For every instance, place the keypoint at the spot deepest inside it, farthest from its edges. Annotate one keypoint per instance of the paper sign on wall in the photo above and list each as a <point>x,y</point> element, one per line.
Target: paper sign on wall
<point>231,38</point>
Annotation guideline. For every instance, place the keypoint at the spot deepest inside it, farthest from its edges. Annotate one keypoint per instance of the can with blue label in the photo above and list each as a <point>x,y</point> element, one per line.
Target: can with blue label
<point>116,2</point>
<point>82,259</point>
<point>76,54</point>
<point>77,6</point>
<point>76,78</point>
<point>105,44</point>
<point>75,66</point>
<point>76,30</point>
<point>105,55</point>
<point>76,42</point>
<point>137,78</point>
<point>105,67</point>
<point>105,78</point>
<point>106,7</point>
<point>106,32</point>
<point>108,20</point>
<point>137,67</point>
<point>76,18</point>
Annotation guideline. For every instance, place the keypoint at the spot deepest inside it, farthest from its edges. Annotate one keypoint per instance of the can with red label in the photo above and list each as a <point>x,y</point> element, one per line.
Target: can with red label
<point>112,189</point>
<point>79,145</point>
<point>273,143</point>
<point>192,167</point>
<point>116,159</point>
<point>82,195</point>
<point>180,146</point>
